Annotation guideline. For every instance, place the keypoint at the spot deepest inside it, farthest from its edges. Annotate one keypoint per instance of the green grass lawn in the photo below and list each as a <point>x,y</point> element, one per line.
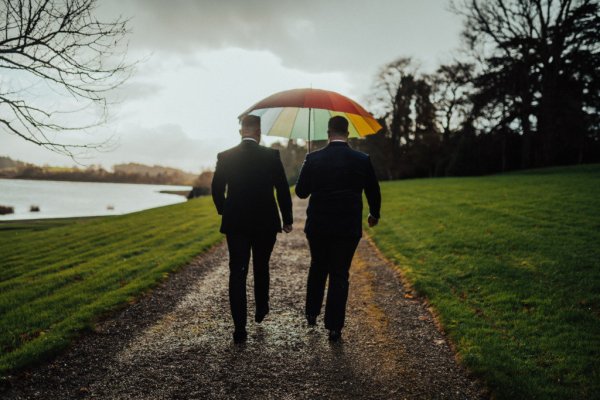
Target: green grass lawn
<point>512,265</point>
<point>58,276</point>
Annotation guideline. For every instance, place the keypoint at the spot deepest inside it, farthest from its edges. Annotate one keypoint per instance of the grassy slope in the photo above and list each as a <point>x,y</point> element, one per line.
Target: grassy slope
<point>57,276</point>
<point>512,264</point>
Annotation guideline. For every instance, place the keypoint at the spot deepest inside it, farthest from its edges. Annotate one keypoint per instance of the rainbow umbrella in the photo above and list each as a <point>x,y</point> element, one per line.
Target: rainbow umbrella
<point>304,113</point>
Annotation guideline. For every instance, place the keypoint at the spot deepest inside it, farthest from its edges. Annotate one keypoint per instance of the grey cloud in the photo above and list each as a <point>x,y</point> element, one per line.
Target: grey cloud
<point>135,90</point>
<point>166,144</point>
<point>312,35</point>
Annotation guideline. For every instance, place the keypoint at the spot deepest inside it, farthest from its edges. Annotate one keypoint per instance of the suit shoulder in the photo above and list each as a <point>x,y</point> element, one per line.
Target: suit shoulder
<point>359,154</point>
<point>269,152</point>
<point>226,153</point>
<point>316,153</point>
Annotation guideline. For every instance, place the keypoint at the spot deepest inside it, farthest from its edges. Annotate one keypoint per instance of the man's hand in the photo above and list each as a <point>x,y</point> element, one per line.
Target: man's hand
<point>287,228</point>
<point>372,221</point>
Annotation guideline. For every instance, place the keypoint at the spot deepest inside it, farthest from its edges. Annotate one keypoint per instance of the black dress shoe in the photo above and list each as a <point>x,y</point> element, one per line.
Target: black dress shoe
<point>240,336</point>
<point>311,319</point>
<point>260,317</point>
<point>334,335</point>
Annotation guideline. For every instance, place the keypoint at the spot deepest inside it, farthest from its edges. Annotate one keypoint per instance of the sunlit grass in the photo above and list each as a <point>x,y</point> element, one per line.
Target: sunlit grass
<point>512,265</point>
<point>57,276</point>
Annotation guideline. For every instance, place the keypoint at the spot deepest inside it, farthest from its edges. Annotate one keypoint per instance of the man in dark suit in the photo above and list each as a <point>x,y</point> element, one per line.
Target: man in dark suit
<point>334,178</point>
<point>250,218</point>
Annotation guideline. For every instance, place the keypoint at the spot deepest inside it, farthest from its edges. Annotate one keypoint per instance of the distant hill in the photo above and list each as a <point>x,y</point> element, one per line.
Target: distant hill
<point>122,173</point>
<point>154,171</point>
<point>9,163</point>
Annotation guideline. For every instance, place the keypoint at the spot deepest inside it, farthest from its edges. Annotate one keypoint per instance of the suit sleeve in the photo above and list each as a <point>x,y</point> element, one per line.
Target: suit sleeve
<point>284,198</point>
<point>303,185</point>
<point>219,183</point>
<point>372,191</point>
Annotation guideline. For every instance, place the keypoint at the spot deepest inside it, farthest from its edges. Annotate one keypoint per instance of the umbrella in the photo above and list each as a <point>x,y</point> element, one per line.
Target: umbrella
<point>304,113</point>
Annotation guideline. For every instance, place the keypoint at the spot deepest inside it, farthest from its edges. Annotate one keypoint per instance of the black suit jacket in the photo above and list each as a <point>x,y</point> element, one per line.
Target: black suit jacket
<point>334,178</point>
<point>249,172</point>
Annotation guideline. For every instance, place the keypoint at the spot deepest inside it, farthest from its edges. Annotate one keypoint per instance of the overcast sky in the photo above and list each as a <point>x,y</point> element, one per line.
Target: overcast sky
<point>206,61</point>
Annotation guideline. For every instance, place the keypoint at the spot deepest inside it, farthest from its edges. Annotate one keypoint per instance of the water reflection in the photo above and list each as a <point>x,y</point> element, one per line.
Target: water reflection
<point>81,199</point>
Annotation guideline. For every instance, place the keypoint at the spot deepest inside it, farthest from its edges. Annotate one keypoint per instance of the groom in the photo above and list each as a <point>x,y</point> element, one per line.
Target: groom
<point>335,178</point>
<point>248,173</point>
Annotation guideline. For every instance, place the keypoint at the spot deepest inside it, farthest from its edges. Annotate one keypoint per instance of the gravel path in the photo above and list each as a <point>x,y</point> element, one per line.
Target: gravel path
<point>176,343</point>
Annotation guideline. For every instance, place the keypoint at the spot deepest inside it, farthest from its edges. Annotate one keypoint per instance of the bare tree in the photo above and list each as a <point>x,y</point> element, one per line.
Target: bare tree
<point>540,68</point>
<point>59,44</point>
<point>392,97</point>
<point>451,90</point>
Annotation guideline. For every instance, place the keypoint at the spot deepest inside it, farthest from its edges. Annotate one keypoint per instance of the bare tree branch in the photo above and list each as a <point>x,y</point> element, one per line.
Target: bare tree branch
<point>59,42</point>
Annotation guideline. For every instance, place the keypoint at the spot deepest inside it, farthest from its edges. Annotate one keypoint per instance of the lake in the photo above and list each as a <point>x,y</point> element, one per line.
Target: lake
<point>81,199</point>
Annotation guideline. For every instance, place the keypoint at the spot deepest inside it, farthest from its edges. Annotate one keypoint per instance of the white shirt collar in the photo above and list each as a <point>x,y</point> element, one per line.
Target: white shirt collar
<point>338,140</point>
<point>249,138</point>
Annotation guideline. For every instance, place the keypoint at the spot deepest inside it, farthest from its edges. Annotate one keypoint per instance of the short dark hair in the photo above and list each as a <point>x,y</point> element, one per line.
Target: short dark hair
<point>251,121</point>
<point>338,124</point>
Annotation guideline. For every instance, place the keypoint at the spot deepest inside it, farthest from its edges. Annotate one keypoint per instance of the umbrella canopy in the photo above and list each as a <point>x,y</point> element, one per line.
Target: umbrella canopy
<point>304,113</point>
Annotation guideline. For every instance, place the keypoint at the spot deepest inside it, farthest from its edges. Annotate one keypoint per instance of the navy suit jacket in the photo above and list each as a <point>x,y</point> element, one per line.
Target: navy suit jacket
<point>335,178</point>
<point>249,173</point>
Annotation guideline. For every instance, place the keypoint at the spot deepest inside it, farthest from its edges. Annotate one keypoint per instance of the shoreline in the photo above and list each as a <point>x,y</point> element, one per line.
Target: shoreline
<point>183,193</point>
<point>92,181</point>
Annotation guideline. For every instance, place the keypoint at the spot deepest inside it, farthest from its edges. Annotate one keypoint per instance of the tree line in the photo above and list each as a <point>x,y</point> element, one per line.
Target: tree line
<point>122,173</point>
<point>524,92</point>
